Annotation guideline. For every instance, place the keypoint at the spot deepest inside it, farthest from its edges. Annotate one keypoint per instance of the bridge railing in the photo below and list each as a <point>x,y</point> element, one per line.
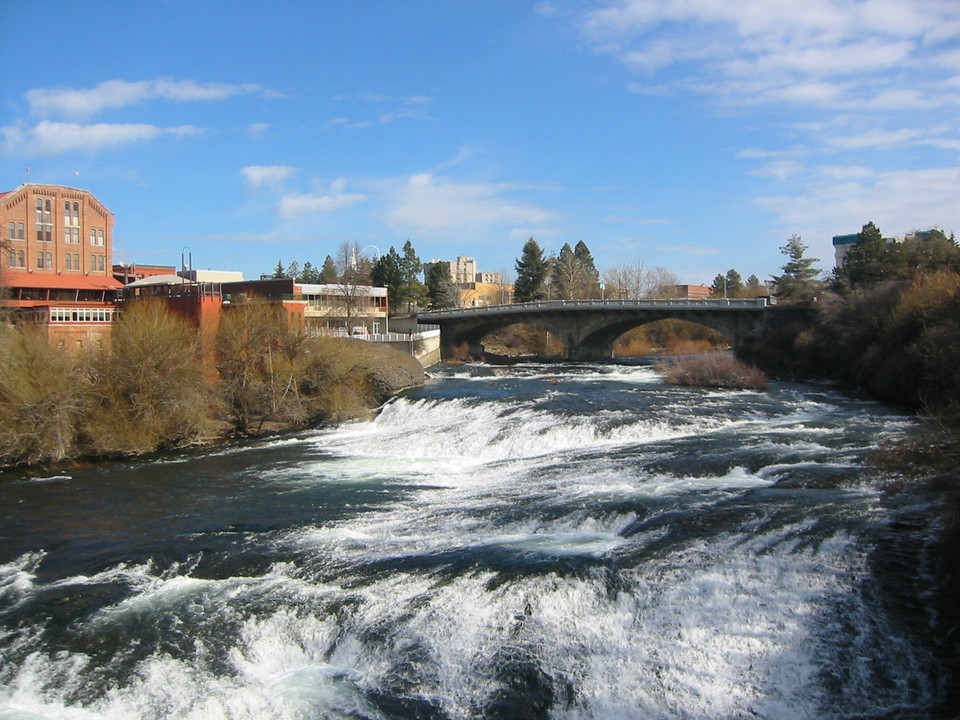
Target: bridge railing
<point>547,305</point>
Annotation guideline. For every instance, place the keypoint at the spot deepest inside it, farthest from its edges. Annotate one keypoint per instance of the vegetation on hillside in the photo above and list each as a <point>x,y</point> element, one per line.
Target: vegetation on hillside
<point>890,327</point>
<point>150,390</point>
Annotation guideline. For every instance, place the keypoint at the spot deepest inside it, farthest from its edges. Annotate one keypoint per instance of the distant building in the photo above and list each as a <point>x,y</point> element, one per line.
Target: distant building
<point>489,278</point>
<point>462,270</point>
<point>58,267</point>
<point>843,243</point>
<point>694,292</point>
<point>320,308</point>
<point>480,294</point>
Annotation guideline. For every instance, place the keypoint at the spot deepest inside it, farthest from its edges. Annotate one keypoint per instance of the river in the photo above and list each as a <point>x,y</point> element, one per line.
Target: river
<point>529,542</point>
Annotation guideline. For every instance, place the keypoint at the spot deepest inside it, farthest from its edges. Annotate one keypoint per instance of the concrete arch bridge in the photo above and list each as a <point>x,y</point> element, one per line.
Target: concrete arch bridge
<point>588,328</point>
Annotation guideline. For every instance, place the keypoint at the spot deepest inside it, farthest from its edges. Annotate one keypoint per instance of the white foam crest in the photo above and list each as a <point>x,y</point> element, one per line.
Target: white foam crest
<point>453,436</point>
<point>17,578</point>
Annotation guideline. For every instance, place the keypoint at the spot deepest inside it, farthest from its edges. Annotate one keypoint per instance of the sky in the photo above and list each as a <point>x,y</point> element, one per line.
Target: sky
<point>693,135</point>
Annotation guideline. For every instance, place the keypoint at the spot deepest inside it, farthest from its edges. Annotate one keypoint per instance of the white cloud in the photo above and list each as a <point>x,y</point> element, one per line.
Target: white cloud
<point>54,138</point>
<point>837,200</point>
<point>321,200</point>
<point>256,176</point>
<point>826,53</point>
<point>432,203</point>
<point>111,94</point>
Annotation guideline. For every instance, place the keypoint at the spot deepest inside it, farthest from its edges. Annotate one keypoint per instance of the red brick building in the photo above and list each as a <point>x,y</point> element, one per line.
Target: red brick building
<point>57,261</point>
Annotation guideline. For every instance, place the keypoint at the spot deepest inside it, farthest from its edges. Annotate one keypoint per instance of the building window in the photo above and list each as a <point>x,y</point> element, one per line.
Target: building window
<point>21,258</point>
<point>11,230</point>
<point>96,238</point>
<point>93,263</point>
<point>76,261</point>
<point>100,263</point>
<point>40,260</point>
<point>71,213</point>
<point>68,262</point>
<point>49,261</point>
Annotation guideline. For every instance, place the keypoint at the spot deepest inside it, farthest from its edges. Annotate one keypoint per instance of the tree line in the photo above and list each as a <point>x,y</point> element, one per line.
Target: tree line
<point>887,322</point>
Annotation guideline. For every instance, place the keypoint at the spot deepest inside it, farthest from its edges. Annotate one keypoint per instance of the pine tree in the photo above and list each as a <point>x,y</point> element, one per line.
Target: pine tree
<point>386,272</point>
<point>278,271</point>
<point>415,292</point>
<point>329,275</point>
<point>531,273</point>
<point>309,274</point>
<point>800,278</point>
<point>442,292</point>
<point>589,275</point>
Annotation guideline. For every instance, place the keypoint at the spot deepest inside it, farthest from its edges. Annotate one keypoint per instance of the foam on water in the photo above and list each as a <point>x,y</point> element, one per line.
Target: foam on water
<point>535,550</point>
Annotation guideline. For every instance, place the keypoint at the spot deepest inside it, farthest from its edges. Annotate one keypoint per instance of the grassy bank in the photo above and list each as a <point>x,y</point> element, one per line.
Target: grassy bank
<point>159,386</point>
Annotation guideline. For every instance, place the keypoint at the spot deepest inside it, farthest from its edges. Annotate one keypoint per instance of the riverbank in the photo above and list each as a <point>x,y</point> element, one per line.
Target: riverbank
<point>159,386</point>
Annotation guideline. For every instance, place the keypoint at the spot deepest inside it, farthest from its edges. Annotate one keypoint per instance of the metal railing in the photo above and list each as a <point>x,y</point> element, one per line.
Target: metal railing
<point>547,305</point>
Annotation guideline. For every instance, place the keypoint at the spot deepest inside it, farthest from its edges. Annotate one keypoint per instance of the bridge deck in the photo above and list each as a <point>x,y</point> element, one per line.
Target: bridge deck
<point>553,305</point>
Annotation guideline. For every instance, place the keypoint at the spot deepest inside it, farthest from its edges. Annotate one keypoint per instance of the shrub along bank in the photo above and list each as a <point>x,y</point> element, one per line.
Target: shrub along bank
<point>150,391</point>
<point>897,341</point>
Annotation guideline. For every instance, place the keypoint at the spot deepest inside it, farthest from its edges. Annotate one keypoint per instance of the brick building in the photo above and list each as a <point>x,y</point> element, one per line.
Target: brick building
<point>57,262</point>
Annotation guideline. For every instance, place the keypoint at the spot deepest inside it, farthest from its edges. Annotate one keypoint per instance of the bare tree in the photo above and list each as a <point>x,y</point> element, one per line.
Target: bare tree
<point>626,281</point>
<point>353,281</point>
<point>661,283</point>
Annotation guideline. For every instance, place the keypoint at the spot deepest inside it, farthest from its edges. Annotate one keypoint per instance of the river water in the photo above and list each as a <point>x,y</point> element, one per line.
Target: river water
<point>531,542</point>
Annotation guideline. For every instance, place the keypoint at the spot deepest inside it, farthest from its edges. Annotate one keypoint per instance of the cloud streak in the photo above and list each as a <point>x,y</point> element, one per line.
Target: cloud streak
<point>55,138</point>
<point>80,104</point>
<point>322,200</point>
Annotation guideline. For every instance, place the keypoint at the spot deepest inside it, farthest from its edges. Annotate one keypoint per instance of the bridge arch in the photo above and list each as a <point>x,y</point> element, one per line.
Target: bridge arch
<point>588,328</point>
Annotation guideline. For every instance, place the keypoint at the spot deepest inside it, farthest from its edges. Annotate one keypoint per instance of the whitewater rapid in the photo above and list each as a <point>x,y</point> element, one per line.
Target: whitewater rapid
<point>556,542</point>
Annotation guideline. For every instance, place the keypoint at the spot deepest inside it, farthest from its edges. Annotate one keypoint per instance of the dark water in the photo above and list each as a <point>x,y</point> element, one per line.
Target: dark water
<point>538,542</point>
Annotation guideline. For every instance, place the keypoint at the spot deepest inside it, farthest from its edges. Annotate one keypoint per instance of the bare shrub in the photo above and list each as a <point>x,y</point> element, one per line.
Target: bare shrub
<point>257,353</point>
<point>714,369</point>
<point>42,394</point>
<point>148,390</point>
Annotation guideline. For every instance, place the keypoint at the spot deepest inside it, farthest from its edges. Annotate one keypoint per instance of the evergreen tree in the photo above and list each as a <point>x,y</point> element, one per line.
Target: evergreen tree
<point>415,292</point>
<point>564,270</point>
<point>531,273</point>
<point>728,286</point>
<point>386,273</point>
<point>309,274</point>
<point>589,275</point>
<point>754,287</point>
<point>442,292</point>
<point>278,271</point>
<point>328,275</point>
<point>800,278</point>
<point>868,261</point>
<point>293,270</point>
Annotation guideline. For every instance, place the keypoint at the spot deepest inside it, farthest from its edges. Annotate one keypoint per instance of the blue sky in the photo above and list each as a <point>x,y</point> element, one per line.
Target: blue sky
<point>695,135</point>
